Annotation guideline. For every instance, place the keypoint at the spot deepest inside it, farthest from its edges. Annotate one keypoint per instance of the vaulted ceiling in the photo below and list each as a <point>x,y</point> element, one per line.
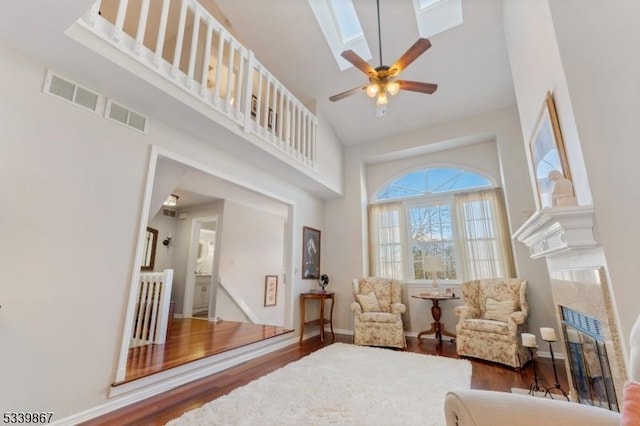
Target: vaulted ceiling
<point>468,62</point>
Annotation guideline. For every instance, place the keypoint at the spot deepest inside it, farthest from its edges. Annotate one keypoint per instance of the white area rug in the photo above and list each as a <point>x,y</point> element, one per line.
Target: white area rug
<point>342,384</point>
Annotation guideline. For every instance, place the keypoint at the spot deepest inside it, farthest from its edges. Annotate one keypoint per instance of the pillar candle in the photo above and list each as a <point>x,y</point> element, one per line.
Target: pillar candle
<point>529,340</point>
<point>548,334</point>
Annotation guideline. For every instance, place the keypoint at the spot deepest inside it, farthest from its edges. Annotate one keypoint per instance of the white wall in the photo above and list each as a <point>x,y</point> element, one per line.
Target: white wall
<point>372,164</point>
<point>587,54</point>
<point>536,68</point>
<point>251,247</point>
<point>600,49</point>
<point>181,245</point>
<point>166,226</point>
<point>74,185</point>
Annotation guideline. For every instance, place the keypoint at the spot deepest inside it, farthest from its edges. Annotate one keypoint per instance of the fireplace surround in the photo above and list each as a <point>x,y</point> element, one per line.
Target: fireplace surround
<point>566,239</point>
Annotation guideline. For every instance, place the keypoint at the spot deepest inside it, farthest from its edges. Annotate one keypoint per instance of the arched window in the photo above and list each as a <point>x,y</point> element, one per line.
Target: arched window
<point>439,224</point>
<point>431,181</point>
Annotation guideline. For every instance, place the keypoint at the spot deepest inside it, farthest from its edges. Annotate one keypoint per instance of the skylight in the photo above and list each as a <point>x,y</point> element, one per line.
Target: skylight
<point>341,28</point>
<point>346,20</point>
<point>436,16</point>
<point>423,4</point>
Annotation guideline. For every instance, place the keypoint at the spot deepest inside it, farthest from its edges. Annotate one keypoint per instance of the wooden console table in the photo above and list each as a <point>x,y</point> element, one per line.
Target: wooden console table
<point>321,296</point>
<point>436,313</point>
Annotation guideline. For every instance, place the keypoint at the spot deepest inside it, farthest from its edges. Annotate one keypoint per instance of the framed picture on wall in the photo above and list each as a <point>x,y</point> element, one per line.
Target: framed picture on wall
<point>254,106</point>
<point>272,120</point>
<point>548,157</point>
<point>271,290</point>
<point>310,253</point>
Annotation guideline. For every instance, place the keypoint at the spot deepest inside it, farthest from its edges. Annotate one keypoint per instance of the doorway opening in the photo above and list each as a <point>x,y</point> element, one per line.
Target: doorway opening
<point>205,288</point>
<point>205,241</point>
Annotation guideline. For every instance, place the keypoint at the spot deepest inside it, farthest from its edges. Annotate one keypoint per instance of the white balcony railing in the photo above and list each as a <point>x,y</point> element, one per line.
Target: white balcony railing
<point>181,41</point>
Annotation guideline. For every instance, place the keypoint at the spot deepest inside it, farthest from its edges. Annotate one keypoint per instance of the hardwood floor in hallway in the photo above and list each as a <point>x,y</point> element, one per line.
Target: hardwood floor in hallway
<point>191,339</point>
<point>160,409</point>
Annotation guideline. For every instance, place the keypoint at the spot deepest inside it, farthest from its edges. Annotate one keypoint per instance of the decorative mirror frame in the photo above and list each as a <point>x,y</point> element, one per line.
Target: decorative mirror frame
<point>149,252</point>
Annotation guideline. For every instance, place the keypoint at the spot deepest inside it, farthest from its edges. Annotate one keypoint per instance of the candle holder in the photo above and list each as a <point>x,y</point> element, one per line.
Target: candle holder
<point>556,385</point>
<point>529,342</point>
<point>536,385</point>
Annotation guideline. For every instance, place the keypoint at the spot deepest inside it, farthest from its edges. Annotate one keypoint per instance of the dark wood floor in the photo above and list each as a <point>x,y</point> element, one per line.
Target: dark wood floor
<point>160,409</point>
<point>190,339</point>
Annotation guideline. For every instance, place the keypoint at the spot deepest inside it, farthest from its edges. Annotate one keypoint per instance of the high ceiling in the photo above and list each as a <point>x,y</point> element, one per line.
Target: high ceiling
<point>468,62</point>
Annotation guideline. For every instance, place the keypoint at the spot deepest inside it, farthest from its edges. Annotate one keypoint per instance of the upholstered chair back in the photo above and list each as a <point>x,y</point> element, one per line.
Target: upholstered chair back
<point>477,292</point>
<point>387,291</point>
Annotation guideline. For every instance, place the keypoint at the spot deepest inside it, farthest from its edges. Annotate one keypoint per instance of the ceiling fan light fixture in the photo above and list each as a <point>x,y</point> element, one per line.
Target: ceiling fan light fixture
<point>392,87</point>
<point>372,90</point>
<point>382,98</point>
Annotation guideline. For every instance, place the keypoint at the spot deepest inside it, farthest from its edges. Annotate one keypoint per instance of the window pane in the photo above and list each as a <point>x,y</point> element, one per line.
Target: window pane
<point>431,234</point>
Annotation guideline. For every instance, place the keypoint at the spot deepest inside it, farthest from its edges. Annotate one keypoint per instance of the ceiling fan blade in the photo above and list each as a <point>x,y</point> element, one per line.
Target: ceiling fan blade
<point>358,62</point>
<point>417,49</point>
<point>347,93</point>
<point>417,86</point>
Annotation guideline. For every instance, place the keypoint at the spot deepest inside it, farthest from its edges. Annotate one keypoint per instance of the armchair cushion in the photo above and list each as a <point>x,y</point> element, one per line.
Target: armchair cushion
<point>369,302</point>
<point>499,311</point>
<point>383,317</point>
<point>485,326</point>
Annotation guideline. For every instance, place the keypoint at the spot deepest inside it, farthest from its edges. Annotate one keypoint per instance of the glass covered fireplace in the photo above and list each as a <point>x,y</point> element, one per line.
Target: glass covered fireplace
<point>588,360</point>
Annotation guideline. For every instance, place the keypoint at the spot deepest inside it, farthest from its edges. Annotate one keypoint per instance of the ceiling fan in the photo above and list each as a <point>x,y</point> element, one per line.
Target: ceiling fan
<point>383,79</point>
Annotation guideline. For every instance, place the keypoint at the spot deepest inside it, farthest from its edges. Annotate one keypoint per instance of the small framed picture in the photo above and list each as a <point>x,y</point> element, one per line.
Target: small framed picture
<point>254,105</point>
<point>271,290</point>
<point>272,120</point>
<point>448,292</point>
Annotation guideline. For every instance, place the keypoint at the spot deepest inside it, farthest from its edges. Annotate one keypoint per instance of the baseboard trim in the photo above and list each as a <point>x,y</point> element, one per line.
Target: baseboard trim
<point>130,393</point>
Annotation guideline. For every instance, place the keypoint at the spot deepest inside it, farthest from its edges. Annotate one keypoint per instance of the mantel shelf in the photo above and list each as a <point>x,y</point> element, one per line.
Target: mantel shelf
<point>556,230</point>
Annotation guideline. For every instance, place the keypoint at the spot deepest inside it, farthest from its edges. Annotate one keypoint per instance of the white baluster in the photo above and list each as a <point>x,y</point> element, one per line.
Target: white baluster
<point>298,130</point>
<point>177,53</point>
<point>142,26</point>
<point>267,97</point>
<point>281,115</point>
<point>222,35</point>
<point>165,301</point>
<point>239,82</point>
<point>206,62</point>
<point>313,143</point>
<point>258,95</point>
<point>162,31</point>
<point>232,52</point>
<point>249,91</point>
<point>152,300</point>
<point>194,47</point>
<point>119,24</point>
<point>92,14</point>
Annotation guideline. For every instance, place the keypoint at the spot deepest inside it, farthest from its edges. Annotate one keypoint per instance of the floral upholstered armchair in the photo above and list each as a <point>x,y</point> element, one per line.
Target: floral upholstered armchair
<point>490,324</point>
<point>378,312</point>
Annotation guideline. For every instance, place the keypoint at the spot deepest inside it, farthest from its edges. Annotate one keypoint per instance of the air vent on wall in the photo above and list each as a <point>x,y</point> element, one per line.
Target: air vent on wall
<point>169,213</point>
<point>69,91</point>
<point>124,115</point>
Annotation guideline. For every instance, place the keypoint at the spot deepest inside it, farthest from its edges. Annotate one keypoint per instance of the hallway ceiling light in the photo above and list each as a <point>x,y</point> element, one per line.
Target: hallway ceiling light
<point>171,201</point>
